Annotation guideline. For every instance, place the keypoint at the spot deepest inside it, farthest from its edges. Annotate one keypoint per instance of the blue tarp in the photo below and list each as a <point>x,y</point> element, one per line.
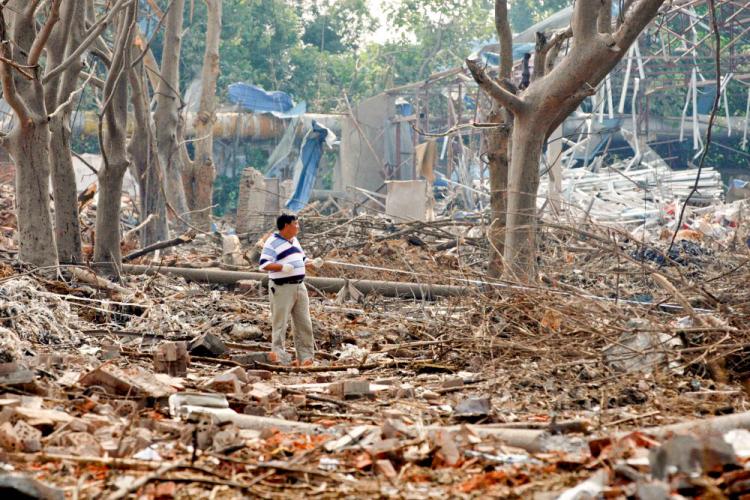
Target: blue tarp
<point>312,150</point>
<point>255,99</point>
<point>706,96</point>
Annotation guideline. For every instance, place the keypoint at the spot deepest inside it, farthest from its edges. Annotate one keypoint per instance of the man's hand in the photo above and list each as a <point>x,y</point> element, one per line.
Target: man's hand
<point>315,263</point>
<point>287,268</point>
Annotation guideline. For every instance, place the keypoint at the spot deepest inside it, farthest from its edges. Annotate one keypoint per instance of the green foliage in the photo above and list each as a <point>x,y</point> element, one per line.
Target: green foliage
<point>525,13</point>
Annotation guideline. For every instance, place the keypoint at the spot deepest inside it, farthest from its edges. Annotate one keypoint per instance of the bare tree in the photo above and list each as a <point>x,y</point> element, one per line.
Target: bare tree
<point>556,91</point>
<point>168,104</point>
<point>28,141</point>
<point>496,142</point>
<point>144,157</point>
<point>113,121</point>
<point>60,92</point>
<point>200,173</point>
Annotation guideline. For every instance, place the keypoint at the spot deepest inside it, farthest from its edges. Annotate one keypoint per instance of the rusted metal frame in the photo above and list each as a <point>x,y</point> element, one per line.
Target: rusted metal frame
<point>700,42</point>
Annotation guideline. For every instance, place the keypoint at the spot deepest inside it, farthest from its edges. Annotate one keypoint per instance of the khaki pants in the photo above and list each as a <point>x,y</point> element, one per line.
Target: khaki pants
<point>291,300</point>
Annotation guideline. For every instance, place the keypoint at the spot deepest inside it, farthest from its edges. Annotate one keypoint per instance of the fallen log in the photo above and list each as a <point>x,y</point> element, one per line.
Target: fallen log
<point>160,245</point>
<point>720,424</point>
<point>88,276</point>
<point>333,285</point>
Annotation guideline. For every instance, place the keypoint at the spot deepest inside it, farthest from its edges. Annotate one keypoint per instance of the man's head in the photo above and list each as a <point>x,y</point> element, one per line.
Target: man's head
<point>287,225</point>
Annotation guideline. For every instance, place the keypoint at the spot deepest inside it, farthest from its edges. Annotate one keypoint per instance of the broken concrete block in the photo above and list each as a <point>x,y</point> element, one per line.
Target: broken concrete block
<point>447,447</point>
<point>350,388</point>
<point>226,382</point>
<point>385,467</point>
<point>227,440</point>
<point>132,382</point>
<point>180,404</point>
<point>16,485</point>
<point>261,374</point>
<point>14,373</point>
<point>207,345</point>
<point>86,445</point>
<point>395,428</point>
<point>473,407</point>
<point>453,383</point>
<point>385,446</point>
<point>8,439</point>
<point>41,417</point>
<point>172,358</point>
<point>238,372</point>
<point>110,351</point>
<point>640,351</point>
<point>350,437</point>
<point>255,409</point>
<point>244,332</point>
<point>691,455</point>
<point>298,399</point>
<point>231,250</point>
<point>29,437</point>
<point>264,393</point>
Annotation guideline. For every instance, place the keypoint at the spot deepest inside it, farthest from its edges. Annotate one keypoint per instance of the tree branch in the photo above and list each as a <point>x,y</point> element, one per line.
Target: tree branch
<point>93,34</point>
<point>540,56</point>
<point>605,17</point>
<point>31,8</point>
<point>73,95</point>
<point>504,38</point>
<point>41,39</point>
<point>547,50</point>
<point>636,19</point>
<point>148,44</point>
<point>502,96</point>
<point>584,21</point>
<point>9,87</point>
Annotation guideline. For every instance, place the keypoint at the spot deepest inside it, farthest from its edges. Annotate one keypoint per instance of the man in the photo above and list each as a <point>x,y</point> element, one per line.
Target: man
<point>285,261</point>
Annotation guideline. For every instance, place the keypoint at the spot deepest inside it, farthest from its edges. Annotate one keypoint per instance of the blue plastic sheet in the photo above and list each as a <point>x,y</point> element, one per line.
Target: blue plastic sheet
<point>312,151</point>
<point>255,99</point>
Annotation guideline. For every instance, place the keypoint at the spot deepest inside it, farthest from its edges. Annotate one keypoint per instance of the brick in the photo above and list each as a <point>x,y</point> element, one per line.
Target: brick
<point>29,437</point>
<point>172,358</point>
<point>350,388</point>
<point>261,374</point>
<point>264,393</point>
<point>208,345</point>
<point>227,383</point>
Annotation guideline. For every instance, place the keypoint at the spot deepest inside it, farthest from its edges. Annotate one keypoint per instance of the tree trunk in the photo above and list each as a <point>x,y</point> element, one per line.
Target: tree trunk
<point>28,142</point>
<point>143,154</point>
<point>200,174</point>
<point>497,142</point>
<point>107,247</point>
<point>555,92</point>
<point>65,38</point>
<point>520,240</point>
<point>29,147</point>
<point>67,227</point>
<point>113,145</point>
<point>168,103</point>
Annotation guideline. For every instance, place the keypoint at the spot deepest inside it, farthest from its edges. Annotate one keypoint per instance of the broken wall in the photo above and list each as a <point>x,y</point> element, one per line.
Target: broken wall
<point>362,164</point>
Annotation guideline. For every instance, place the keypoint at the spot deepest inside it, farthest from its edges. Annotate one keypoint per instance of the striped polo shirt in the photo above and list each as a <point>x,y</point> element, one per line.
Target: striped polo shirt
<point>282,251</point>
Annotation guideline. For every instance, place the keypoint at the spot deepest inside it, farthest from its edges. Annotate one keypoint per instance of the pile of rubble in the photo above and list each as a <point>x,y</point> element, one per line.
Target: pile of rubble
<point>161,387</point>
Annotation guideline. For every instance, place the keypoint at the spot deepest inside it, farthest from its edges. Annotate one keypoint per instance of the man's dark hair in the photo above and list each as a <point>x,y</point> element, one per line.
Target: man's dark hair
<point>284,219</point>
